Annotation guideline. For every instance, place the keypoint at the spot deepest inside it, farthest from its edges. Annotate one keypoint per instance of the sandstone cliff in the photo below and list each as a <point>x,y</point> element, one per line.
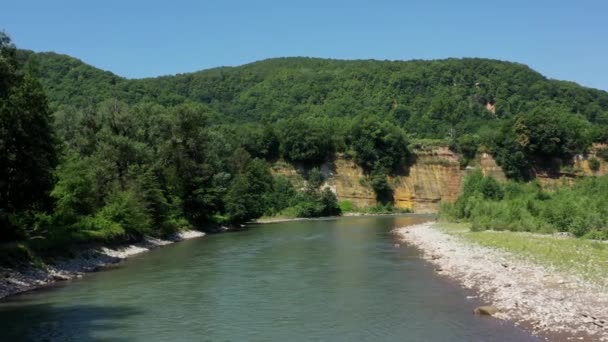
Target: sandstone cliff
<point>434,177</point>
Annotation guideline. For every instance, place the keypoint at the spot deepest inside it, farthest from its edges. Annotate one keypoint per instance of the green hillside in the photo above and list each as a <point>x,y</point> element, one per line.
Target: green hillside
<point>427,97</point>
<point>125,158</point>
<point>470,103</point>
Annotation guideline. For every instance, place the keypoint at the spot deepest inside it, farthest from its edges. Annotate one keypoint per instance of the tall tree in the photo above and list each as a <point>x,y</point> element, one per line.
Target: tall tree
<point>192,164</point>
<point>27,149</point>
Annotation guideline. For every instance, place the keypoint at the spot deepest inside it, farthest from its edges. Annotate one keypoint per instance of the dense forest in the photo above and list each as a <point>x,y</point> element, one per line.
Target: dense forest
<point>526,120</point>
<point>88,155</point>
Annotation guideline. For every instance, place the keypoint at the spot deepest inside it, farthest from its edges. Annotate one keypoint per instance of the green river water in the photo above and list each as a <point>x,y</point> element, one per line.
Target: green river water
<point>323,280</point>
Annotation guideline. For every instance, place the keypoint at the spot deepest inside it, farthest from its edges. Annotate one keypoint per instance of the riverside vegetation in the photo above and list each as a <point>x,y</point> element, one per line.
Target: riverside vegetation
<point>579,209</point>
<point>86,155</point>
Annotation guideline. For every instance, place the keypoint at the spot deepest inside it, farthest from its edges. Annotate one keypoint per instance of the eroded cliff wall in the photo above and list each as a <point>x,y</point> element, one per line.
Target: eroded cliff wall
<point>581,167</point>
<point>434,177</point>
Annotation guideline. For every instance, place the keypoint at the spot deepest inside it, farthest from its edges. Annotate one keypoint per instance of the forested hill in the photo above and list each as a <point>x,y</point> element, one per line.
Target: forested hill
<point>108,158</point>
<point>429,98</point>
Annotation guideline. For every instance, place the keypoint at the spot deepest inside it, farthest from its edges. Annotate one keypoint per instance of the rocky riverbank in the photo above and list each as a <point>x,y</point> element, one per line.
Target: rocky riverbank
<point>88,260</point>
<point>547,301</point>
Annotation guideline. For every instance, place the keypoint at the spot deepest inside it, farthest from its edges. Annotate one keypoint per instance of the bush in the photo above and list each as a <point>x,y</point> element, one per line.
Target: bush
<point>467,145</point>
<point>490,189</point>
<point>123,214</point>
<point>347,206</point>
<point>380,185</point>
<point>581,209</point>
<point>314,179</point>
<point>594,164</point>
<point>330,203</point>
<point>282,196</point>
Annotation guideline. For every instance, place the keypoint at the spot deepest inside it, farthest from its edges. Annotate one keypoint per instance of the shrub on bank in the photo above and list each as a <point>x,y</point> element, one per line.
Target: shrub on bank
<point>594,164</point>
<point>580,209</point>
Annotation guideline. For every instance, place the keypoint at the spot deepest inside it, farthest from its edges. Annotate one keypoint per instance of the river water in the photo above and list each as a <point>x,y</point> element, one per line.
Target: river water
<point>323,280</point>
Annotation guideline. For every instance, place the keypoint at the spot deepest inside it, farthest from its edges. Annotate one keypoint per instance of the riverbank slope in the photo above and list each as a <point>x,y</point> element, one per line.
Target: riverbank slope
<point>548,300</point>
<point>15,281</point>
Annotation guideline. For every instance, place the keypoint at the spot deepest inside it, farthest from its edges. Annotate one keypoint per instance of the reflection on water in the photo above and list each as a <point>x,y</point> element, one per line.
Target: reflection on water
<point>339,279</point>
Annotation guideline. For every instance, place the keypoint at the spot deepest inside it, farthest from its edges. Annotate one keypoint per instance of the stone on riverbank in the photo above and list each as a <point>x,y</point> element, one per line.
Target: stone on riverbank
<point>90,260</point>
<point>547,300</point>
<point>486,310</point>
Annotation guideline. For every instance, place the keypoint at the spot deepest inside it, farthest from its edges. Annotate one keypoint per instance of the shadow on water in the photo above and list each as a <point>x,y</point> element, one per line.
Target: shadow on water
<point>48,322</point>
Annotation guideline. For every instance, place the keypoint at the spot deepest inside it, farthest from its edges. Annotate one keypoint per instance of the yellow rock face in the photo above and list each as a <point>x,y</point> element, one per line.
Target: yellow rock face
<point>433,178</point>
<point>349,182</point>
<point>490,168</point>
<point>426,186</point>
<point>579,168</point>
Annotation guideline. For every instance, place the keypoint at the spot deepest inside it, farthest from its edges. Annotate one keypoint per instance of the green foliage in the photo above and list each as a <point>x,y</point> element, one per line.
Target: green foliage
<point>378,144</point>
<point>75,190</point>
<point>247,196</point>
<point>312,202</point>
<point>467,145</point>
<point>380,148</point>
<point>594,164</point>
<point>315,179</point>
<point>304,141</point>
<point>441,99</point>
<point>123,214</point>
<point>549,132</point>
<point>347,206</point>
<point>282,196</point>
<point>383,190</point>
<point>430,98</point>
<point>193,166</point>
<point>540,137</point>
<point>165,213</point>
<point>27,146</point>
<point>259,141</point>
<point>157,155</point>
<point>317,204</point>
<point>491,189</point>
<point>579,209</point>
<point>315,103</point>
<point>330,203</point>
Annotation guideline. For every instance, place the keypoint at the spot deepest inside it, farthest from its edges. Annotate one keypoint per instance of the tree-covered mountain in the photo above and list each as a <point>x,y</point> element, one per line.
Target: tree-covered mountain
<point>506,108</point>
<point>155,155</point>
<point>427,97</point>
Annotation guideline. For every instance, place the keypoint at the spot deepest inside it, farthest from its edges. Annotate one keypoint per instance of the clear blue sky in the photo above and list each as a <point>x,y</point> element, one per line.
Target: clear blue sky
<point>563,39</point>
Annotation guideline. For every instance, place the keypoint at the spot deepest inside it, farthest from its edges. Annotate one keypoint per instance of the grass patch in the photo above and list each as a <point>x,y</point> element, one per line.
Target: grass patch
<point>347,206</point>
<point>586,258</point>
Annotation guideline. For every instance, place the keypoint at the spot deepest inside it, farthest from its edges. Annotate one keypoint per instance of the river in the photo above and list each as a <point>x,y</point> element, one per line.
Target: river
<point>322,280</point>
